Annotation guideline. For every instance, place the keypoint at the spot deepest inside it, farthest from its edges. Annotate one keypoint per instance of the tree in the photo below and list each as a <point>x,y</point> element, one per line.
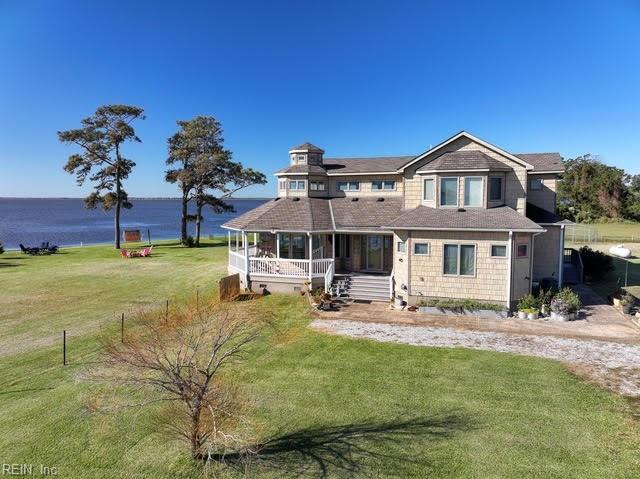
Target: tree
<point>101,161</point>
<point>202,167</point>
<point>591,190</point>
<point>179,362</point>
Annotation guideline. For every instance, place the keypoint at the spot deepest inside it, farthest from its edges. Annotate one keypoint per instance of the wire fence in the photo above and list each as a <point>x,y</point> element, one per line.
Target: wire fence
<point>586,234</point>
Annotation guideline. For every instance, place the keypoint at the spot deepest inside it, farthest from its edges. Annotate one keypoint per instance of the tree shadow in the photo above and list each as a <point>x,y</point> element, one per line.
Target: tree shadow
<point>352,448</point>
<point>7,265</point>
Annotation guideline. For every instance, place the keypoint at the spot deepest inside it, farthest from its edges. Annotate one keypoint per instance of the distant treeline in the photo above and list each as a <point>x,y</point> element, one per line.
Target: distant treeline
<point>594,192</point>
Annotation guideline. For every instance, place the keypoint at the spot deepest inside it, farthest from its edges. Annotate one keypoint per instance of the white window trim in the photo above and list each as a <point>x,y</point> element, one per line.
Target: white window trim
<point>433,189</point>
<point>502,184</point>
<point>464,191</point>
<point>457,178</point>
<point>348,185</point>
<point>382,189</point>
<point>428,253</point>
<point>282,185</point>
<point>475,260</point>
<point>297,184</point>
<point>522,244</point>
<point>532,180</point>
<point>491,255</point>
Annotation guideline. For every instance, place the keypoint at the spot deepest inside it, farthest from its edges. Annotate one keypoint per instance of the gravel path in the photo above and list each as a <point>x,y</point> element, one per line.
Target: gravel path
<point>614,365</point>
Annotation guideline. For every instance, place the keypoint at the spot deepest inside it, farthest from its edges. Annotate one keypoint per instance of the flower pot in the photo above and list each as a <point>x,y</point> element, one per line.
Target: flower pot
<point>544,310</point>
<point>533,315</point>
<point>626,308</point>
<point>616,302</point>
<point>562,317</point>
<point>522,315</point>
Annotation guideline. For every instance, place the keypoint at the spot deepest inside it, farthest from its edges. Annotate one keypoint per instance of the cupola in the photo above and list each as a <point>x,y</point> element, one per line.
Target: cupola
<point>306,154</point>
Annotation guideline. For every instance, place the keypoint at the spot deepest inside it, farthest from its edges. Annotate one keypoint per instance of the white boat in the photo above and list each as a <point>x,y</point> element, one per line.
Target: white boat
<point>620,251</point>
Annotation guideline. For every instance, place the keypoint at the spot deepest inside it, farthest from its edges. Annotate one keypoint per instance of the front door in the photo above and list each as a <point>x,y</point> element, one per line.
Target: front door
<point>373,253</point>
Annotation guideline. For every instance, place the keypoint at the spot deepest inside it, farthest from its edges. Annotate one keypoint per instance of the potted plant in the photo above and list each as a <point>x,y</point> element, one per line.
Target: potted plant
<point>528,305</point>
<point>565,305</point>
<point>544,298</point>
<point>626,301</point>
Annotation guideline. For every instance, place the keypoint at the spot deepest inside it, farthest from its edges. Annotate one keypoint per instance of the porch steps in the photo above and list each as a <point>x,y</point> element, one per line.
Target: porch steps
<point>361,287</point>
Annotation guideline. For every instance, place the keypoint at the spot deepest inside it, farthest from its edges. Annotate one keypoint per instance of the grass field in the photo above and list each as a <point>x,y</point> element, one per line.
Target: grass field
<point>322,404</point>
<point>605,232</point>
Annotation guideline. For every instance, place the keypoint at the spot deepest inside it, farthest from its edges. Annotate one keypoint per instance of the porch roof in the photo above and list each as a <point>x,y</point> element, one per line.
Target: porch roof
<point>502,218</point>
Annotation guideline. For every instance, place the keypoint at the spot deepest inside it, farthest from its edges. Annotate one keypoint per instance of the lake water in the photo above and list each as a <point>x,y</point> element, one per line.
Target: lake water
<point>66,222</point>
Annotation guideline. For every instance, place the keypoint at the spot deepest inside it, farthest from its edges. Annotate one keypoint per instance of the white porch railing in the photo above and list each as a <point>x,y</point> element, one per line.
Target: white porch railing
<point>237,261</point>
<point>328,277</point>
<point>294,268</point>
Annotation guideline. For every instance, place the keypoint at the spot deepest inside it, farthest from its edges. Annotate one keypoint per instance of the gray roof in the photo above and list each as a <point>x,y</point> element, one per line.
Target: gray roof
<point>543,161</point>
<point>465,160</point>
<point>367,213</point>
<point>303,169</point>
<point>500,218</point>
<point>307,146</point>
<point>286,214</point>
<point>365,165</point>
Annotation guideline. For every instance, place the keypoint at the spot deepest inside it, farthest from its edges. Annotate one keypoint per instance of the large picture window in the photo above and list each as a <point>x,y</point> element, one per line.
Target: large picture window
<point>473,191</point>
<point>459,259</point>
<point>449,191</point>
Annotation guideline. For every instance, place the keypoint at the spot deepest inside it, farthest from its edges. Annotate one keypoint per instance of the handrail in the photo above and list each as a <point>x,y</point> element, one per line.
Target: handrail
<point>328,278</point>
<point>289,267</point>
<point>391,283</point>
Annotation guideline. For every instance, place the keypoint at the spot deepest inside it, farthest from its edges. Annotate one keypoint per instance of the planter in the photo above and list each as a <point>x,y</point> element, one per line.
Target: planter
<point>545,310</point>
<point>563,317</point>
<point>398,303</point>
<point>533,315</point>
<point>626,308</point>
<point>616,302</point>
<point>522,315</point>
<point>440,311</point>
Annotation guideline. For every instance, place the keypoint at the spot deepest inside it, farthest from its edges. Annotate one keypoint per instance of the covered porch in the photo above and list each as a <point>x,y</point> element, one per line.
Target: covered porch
<point>298,255</point>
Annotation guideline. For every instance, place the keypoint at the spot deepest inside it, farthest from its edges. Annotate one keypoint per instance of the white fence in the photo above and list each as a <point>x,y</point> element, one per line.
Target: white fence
<point>237,261</point>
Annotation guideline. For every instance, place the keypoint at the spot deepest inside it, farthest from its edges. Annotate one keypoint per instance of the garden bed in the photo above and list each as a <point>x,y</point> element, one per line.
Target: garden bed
<point>463,308</point>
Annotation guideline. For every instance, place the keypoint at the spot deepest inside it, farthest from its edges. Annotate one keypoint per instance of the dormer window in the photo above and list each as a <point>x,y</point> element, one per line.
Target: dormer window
<point>301,159</point>
<point>348,185</point>
<point>297,185</point>
<point>495,188</point>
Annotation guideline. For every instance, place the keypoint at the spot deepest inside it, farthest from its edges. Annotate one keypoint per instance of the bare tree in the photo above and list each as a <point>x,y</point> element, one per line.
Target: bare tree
<point>180,362</point>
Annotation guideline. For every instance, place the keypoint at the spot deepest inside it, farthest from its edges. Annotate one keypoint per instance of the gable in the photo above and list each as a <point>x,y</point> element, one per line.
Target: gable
<point>461,142</point>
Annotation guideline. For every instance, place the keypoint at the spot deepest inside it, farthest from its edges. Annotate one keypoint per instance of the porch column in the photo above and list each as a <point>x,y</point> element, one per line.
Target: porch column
<point>229,239</point>
<point>310,258</point>
<point>278,245</point>
<point>245,245</point>
<point>561,259</point>
<point>237,248</point>
<point>333,246</point>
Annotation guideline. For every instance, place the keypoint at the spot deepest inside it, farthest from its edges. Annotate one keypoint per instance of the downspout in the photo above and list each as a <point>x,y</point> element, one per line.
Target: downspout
<point>561,258</point>
<point>510,268</point>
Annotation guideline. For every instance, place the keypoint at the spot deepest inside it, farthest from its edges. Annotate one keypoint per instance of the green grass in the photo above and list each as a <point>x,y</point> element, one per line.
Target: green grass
<point>606,232</point>
<point>354,407</point>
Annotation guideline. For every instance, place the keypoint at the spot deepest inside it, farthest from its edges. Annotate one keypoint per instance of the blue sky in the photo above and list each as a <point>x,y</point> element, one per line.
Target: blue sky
<point>356,78</point>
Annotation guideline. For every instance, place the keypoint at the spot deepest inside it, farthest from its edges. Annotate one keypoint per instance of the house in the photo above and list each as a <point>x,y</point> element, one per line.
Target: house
<point>465,220</point>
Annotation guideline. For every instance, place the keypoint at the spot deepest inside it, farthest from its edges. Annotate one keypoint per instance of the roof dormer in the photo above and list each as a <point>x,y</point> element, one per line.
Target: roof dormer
<point>306,154</point>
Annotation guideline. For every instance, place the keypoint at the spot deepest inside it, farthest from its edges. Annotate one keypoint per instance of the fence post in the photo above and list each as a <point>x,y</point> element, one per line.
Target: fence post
<point>122,328</point>
<point>64,347</point>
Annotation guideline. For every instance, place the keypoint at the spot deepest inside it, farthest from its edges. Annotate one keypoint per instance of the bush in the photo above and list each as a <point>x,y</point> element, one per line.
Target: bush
<point>528,302</point>
<point>566,301</point>
<point>1,248</point>
<point>190,242</point>
<point>596,263</point>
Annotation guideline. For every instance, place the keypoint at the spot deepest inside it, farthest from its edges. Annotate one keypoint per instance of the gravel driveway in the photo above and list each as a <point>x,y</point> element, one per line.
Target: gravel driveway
<point>613,365</point>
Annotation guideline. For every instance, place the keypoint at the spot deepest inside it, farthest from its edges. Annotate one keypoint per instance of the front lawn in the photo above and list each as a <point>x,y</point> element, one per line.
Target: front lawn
<point>320,403</point>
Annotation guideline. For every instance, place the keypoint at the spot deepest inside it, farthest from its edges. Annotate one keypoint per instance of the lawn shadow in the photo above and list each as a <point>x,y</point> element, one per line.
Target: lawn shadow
<point>7,265</point>
<point>352,448</point>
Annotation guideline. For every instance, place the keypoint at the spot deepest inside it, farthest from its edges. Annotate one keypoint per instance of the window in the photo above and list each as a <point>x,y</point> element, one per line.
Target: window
<point>495,188</point>
<point>298,243</point>
<point>498,251</point>
<point>449,191</point>
<point>297,185</point>
<point>343,246</point>
<point>283,184</point>
<point>473,191</point>
<point>388,185</point>
<point>459,259</point>
<point>421,248</point>
<point>348,185</point>
<point>535,184</point>
<point>302,159</point>
<point>317,185</point>
<point>522,250</point>
<point>428,193</point>
<point>401,247</point>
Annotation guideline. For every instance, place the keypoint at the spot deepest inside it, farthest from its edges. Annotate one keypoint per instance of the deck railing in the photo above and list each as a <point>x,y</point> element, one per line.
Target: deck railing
<point>294,268</point>
<point>237,261</point>
<point>328,277</point>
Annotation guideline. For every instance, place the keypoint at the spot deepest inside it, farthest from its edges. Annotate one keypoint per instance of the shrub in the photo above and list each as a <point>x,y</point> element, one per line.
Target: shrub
<point>596,263</point>
<point>459,305</point>
<point>527,302</point>
<point>566,301</point>
<point>546,296</point>
<point>1,248</point>
<point>190,242</point>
